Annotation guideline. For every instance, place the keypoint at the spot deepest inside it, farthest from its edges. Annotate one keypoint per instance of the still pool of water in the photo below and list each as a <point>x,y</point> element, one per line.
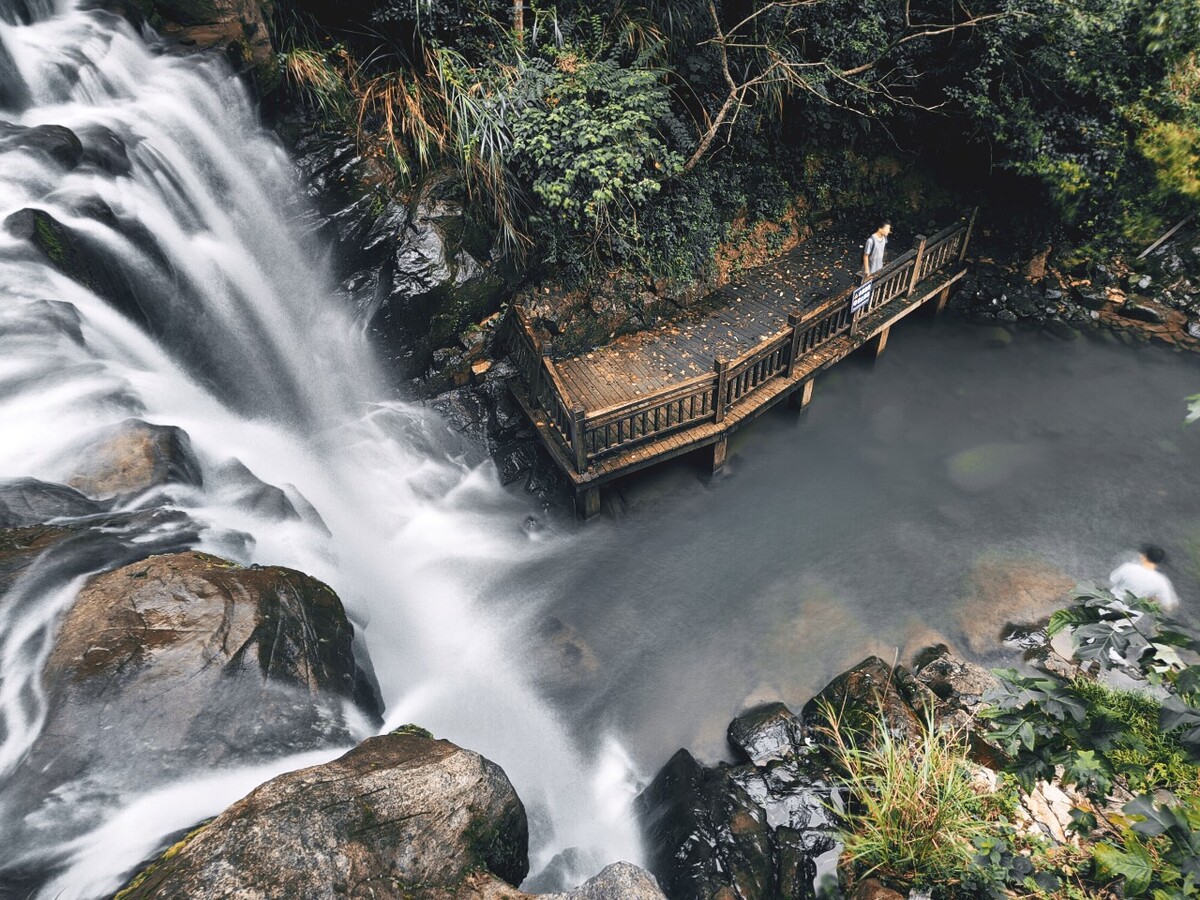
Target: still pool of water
<point>856,527</point>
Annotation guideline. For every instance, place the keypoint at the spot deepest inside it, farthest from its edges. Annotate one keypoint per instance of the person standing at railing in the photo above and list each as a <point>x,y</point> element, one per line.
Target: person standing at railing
<point>875,248</point>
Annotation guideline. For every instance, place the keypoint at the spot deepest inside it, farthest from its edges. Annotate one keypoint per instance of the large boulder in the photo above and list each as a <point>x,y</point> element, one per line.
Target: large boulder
<point>135,456</point>
<point>183,661</point>
<point>400,815</point>
<point>27,501</point>
<point>56,142</point>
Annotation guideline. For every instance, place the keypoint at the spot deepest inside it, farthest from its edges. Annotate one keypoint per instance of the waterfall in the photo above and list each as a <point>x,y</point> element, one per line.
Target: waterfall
<point>211,313</point>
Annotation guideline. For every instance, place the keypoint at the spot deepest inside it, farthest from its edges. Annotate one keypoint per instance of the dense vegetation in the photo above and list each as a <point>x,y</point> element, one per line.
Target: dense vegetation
<point>1129,753</point>
<point>615,135</point>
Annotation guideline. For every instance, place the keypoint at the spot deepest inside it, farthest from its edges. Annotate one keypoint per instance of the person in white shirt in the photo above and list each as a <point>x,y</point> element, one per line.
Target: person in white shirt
<point>1141,578</point>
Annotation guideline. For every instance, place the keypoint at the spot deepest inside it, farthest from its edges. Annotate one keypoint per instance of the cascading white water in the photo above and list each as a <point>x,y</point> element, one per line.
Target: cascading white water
<point>242,343</point>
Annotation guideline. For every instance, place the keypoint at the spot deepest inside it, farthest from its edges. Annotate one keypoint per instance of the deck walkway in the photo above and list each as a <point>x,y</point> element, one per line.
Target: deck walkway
<point>654,395</point>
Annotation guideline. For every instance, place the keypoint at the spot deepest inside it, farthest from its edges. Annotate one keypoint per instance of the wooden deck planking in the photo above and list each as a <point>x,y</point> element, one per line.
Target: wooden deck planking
<point>750,311</point>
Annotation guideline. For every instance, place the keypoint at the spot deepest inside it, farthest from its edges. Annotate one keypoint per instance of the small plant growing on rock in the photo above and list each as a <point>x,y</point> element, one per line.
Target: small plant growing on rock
<point>915,811</point>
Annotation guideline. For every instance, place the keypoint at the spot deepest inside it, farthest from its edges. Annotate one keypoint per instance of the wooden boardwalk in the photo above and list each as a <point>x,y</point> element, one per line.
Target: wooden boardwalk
<point>655,395</point>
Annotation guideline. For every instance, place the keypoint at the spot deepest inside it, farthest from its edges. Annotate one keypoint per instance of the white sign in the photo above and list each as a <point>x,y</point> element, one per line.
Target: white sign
<point>861,296</point>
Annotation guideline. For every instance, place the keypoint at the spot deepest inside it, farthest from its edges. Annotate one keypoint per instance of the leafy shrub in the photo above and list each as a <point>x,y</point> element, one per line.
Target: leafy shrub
<point>590,145</point>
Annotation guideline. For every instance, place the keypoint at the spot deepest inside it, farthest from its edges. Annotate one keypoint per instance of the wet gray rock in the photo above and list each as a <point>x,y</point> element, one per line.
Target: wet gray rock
<point>132,457</point>
<point>620,881</point>
<point>1142,312</point>
<point>243,488</point>
<point>57,142</point>
<point>27,501</point>
<point>14,93</point>
<point>400,815</point>
<point>766,734</point>
<point>705,835</point>
<point>134,289</point>
<point>761,829</point>
<point>959,685</point>
<point>104,149</point>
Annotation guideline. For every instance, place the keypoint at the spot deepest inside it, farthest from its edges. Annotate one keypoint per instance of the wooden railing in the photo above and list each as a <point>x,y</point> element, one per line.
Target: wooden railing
<point>588,435</point>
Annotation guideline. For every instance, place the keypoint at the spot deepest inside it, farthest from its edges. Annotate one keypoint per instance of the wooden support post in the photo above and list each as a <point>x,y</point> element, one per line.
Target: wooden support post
<point>587,502</point>
<point>962,253</point>
<point>578,439</point>
<point>801,398</point>
<point>879,342</point>
<point>719,449</point>
<point>721,364</point>
<point>919,246</point>
<point>539,374</point>
<point>854,316</point>
<point>794,322</point>
<point>940,303</point>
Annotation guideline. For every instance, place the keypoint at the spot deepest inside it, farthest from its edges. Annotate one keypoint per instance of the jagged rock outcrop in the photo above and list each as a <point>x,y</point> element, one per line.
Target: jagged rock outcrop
<point>418,273</point>
<point>960,686</point>
<point>871,690</point>
<point>755,830</point>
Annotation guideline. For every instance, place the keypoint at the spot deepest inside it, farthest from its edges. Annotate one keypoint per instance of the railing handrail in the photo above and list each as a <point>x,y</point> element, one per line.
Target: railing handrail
<point>759,352</point>
<point>664,395</point>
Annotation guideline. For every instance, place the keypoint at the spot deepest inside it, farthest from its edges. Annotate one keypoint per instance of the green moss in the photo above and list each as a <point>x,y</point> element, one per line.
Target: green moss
<point>47,237</point>
<point>413,729</point>
<point>130,891</point>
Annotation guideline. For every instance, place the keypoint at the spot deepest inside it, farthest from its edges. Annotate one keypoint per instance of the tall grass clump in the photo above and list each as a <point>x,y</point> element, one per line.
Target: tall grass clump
<point>914,812</point>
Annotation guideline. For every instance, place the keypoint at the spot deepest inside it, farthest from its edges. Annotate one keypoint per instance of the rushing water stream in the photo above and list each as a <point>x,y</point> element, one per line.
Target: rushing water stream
<point>850,530</point>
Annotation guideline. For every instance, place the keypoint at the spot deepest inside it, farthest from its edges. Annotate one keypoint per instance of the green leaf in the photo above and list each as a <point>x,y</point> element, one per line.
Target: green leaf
<point>1133,864</point>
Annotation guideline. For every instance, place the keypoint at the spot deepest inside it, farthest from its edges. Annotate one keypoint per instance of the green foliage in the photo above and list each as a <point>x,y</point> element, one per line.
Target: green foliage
<point>1096,100</point>
<point>590,147</point>
<point>1099,739</point>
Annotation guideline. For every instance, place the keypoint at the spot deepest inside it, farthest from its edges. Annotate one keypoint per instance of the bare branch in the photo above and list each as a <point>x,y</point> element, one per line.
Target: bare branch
<point>769,66</point>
